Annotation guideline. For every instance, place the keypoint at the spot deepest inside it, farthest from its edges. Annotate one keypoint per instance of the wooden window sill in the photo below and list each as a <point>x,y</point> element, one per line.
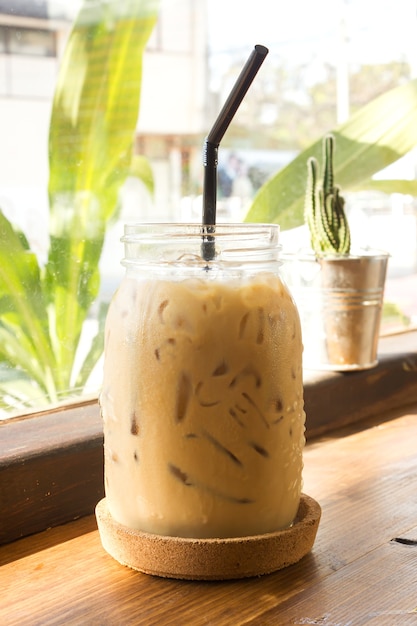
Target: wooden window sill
<point>361,568</point>
<point>51,463</point>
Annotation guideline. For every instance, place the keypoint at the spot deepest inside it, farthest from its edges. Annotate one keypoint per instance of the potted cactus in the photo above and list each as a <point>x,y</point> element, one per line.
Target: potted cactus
<point>324,208</point>
<point>339,291</point>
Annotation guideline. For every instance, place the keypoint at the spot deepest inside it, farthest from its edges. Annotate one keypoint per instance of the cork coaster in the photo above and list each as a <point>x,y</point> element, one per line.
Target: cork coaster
<point>210,559</point>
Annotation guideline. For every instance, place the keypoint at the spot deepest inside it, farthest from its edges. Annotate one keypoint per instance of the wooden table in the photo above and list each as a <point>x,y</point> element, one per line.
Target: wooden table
<point>362,570</point>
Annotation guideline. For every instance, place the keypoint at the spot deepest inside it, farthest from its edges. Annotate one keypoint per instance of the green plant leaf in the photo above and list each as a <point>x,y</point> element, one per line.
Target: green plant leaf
<point>93,122</point>
<point>376,136</point>
<point>24,331</point>
<point>17,394</point>
<point>72,275</point>
<point>96,102</point>
<point>96,348</point>
<point>390,186</point>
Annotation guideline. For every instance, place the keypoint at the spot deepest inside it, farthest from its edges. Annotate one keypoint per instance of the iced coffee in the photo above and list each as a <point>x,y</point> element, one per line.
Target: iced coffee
<point>202,402</point>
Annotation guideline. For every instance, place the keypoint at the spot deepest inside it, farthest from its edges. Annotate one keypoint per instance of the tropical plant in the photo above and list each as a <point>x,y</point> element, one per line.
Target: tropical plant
<point>374,137</point>
<point>324,208</point>
<point>43,309</point>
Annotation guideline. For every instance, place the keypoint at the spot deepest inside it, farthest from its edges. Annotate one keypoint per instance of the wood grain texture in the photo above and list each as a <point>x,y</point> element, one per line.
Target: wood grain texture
<point>356,574</point>
<point>51,469</point>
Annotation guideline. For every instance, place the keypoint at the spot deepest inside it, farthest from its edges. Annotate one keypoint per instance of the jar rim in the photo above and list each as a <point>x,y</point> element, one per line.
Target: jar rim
<point>190,229</point>
<point>195,245</point>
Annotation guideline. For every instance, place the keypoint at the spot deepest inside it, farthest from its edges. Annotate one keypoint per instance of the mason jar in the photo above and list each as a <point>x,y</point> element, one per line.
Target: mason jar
<point>202,396</point>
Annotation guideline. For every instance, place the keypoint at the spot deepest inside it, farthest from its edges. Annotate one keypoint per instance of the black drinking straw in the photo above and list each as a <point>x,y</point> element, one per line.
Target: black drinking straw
<point>213,139</point>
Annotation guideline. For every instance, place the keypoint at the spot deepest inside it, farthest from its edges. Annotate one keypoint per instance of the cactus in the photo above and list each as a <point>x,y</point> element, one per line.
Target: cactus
<point>324,207</point>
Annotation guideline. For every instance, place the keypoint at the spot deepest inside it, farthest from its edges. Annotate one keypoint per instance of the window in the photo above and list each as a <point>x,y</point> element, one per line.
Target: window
<point>27,41</point>
<point>318,72</point>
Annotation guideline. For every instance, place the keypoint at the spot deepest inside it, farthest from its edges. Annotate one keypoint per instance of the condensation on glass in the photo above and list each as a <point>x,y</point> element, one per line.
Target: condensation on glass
<point>202,397</point>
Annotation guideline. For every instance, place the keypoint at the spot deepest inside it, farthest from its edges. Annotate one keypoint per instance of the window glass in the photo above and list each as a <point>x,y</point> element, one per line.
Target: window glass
<point>327,59</point>
<point>30,41</point>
